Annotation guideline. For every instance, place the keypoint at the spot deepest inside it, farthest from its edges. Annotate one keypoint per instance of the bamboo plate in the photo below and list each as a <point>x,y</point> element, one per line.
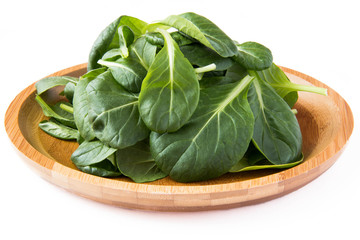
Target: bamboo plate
<point>326,124</point>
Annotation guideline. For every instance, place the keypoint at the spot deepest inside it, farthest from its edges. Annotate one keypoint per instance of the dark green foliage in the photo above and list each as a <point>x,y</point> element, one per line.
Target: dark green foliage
<point>191,104</point>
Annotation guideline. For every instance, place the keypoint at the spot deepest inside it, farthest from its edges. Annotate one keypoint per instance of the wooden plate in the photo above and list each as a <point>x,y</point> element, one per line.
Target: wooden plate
<point>326,124</point>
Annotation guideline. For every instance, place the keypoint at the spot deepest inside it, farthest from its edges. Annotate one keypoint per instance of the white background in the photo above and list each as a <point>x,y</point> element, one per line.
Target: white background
<point>318,38</point>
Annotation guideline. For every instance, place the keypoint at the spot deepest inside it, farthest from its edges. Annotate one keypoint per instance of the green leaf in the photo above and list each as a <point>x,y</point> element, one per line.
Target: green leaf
<point>244,165</point>
<point>127,72</point>
<point>58,130</point>
<point>81,110</point>
<point>102,169</point>
<point>69,90</point>
<point>56,112</point>
<point>111,55</point>
<point>253,56</point>
<point>276,132</point>
<point>170,91</point>
<point>137,163</point>
<point>214,139</point>
<point>282,85</point>
<point>94,73</point>
<point>50,82</point>
<point>82,104</point>
<point>201,55</point>
<point>203,30</point>
<point>89,153</point>
<point>143,51</point>
<point>126,38</point>
<point>109,38</point>
<point>114,113</point>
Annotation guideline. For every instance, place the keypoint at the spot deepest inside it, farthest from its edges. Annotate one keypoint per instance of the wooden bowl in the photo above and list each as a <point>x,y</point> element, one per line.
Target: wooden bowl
<point>326,124</point>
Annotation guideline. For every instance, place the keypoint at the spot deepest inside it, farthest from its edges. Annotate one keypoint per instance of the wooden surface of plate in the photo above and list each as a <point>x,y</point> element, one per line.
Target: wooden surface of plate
<point>326,123</point>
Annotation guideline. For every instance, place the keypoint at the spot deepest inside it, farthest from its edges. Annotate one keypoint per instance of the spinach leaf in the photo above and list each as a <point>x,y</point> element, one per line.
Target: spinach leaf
<point>58,130</point>
<point>126,37</point>
<point>203,30</point>
<point>82,105</point>
<point>214,139</point>
<point>89,153</point>
<point>170,91</point>
<point>50,82</point>
<point>56,112</point>
<point>93,73</point>
<point>137,163</point>
<point>102,43</point>
<point>276,132</point>
<point>109,38</point>
<point>143,51</point>
<point>102,169</point>
<point>127,72</point>
<point>282,85</point>
<point>201,55</point>
<point>253,56</point>
<point>114,113</point>
<point>69,90</point>
<point>111,55</point>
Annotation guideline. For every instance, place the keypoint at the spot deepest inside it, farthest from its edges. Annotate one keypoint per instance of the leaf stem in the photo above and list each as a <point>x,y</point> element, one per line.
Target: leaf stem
<point>305,88</point>
<point>67,108</point>
<point>207,68</point>
<point>107,63</point>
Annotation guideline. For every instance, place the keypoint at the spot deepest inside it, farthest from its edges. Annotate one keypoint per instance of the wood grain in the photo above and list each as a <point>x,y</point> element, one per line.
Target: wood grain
<point>326,123</point>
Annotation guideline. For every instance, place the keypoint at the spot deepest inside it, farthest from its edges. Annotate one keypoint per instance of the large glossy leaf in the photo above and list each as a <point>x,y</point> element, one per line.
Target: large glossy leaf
<point>143,51</point>
<point>82,105</point>
<point>203,30</point>
<point>89,153</point>
<point>137,163</point>
<point>214,139</point>
<point>201,55</point>
<point>50,82</point>
<point>283,86</point>
<point>170,91</point>
<point>127,72</point>
<point>109,38</point>
<point>114,113</point>
<point>59,130</point>
<point>276,133</point>
<point>253,56</point>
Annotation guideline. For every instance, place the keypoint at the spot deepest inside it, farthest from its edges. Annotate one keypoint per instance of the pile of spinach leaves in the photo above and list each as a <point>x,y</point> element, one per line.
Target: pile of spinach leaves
<point>176,98</point>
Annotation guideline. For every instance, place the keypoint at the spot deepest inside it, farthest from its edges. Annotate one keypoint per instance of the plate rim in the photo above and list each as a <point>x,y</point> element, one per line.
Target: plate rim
<point>63,176</point>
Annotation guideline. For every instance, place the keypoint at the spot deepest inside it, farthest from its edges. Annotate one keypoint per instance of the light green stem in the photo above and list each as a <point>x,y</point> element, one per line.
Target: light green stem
<point>304,88</point>
<point>67,108</point>
<point>207,68</point>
